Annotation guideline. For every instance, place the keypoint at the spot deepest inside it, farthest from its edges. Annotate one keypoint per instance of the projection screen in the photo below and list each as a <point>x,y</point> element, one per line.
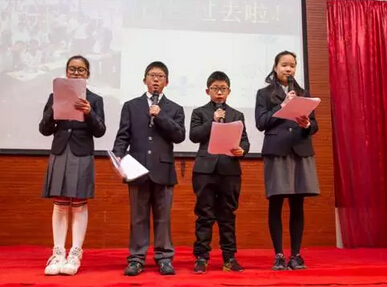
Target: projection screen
<point>121,37</point>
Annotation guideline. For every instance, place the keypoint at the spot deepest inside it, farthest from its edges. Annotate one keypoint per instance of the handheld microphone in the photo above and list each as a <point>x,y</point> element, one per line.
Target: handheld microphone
<point>290,83</point>
<point>220,106</point>
<point>155,100</point>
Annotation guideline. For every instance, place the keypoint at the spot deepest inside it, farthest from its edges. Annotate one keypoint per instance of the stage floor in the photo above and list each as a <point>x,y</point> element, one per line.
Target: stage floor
<point>24,265</point>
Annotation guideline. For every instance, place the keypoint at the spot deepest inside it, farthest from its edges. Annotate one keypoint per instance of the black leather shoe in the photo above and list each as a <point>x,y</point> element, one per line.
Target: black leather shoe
<point>296,262</point>
<point>133,269</point>
<point>166,268</point>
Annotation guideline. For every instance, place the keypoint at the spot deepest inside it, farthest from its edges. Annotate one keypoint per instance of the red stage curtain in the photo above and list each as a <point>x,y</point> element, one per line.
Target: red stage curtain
<point>357,42</point>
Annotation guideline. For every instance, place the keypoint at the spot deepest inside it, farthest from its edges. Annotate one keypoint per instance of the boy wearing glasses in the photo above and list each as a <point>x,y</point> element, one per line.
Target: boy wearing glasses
<point>216,179</point>
<point>150,125</point>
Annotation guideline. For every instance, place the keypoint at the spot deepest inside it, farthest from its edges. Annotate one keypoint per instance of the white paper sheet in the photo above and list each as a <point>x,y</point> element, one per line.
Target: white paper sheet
<point>66,92</point>
<point>225,137</point>
<point>129,168</point>
<point>296,107</point>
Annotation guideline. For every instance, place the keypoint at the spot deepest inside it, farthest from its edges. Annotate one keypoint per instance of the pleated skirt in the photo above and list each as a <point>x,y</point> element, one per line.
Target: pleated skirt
<point>69,175</point>
<point>291,174</point>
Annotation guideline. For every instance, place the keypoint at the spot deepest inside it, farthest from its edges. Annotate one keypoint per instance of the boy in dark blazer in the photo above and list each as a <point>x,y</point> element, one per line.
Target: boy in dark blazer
<point>150,125</point>
<point>216,178</point>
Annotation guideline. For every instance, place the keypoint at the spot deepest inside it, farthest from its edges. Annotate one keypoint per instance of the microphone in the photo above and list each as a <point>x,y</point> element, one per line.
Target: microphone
<point>220,106</point>
<point>155,100</point>
<point>290,83</point>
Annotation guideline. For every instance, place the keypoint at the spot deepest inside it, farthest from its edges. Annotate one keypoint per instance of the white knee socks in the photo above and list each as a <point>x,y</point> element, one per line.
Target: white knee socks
<point>79,224</point>
<point>60,219</point>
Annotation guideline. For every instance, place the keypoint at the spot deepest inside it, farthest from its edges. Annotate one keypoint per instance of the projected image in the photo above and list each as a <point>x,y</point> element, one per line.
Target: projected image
<point>121,37</point>
<point>38,36</point>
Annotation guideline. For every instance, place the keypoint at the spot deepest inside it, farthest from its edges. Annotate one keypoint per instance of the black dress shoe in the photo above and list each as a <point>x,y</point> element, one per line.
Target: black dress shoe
<point>133,269</point>
<point>166,268</point>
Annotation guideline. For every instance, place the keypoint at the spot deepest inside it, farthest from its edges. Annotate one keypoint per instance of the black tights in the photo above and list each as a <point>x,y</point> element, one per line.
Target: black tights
<point>296,222</point>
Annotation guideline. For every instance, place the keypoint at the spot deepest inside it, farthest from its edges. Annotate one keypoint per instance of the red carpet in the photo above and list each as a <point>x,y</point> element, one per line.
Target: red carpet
<point>23,266</point>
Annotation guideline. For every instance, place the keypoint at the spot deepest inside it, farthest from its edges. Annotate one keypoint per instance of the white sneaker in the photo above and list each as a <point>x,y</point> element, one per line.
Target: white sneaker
<point>55,262</point>
<point>73,262</point>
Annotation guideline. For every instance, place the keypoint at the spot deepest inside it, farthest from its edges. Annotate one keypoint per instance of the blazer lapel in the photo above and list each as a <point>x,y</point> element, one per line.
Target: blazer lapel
<point>209,110</point>
<point>278,96</point>
<point>229,115</point>
<point>88,92</point>
<point>143,104</point>
<point>163,101</point>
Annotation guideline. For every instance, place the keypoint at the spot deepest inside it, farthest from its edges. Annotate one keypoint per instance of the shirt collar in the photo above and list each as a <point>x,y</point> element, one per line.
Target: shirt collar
<point>149,96</point>
<point>285,88</point>
<point>215,105</point>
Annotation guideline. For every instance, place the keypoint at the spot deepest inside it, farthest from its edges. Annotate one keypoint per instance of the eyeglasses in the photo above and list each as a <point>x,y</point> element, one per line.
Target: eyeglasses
<point>159,76</point>
<point>73,70</point>
<point>217,89</point>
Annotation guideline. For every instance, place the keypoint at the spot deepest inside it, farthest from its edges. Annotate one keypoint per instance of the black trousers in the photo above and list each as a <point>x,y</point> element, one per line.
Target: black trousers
<point>216,200</point>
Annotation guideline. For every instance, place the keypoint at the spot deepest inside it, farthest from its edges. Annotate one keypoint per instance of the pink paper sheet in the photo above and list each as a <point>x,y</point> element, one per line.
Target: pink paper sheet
<point>66,92</point>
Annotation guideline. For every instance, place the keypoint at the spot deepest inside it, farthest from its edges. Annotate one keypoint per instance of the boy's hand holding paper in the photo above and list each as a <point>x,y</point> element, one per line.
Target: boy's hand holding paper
<point>225,138</point>
<point>128,167</point>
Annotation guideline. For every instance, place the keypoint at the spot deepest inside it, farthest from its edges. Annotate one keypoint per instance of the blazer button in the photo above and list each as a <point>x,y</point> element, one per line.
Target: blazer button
<point>290,129</point>
<point>149,151</point>
<point>150,138</point>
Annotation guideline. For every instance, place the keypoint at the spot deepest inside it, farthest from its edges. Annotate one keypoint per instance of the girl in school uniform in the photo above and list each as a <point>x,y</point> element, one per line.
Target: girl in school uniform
<point>288,156</point>
<point>69,179</point>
